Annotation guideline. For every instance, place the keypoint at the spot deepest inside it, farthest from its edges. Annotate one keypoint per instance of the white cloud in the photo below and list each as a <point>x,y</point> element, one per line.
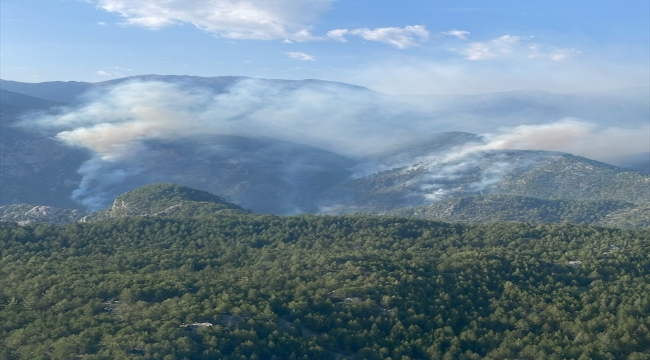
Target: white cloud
<point>103,73</point>
<point>288,20</point>
<point>101,23</point>
<point>514,46</point>
<point>401,38</point>
<point>300,56</point>
<point>236,19</point>
<point>461,34</point>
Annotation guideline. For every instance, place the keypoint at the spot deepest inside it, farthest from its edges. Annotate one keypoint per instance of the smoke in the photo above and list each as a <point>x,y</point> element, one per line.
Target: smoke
<point>567,135</point>
<point>119,124</point>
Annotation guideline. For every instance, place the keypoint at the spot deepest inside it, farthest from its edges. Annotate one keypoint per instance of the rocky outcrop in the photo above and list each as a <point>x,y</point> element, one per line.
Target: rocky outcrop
<point>28,214</point>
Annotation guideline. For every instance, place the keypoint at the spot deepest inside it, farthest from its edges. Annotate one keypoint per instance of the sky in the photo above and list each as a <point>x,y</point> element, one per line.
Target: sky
<point>397,47</point>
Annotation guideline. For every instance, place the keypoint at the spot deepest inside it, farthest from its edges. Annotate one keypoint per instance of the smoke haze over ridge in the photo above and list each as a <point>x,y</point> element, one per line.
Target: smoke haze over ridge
<point>117,123</point>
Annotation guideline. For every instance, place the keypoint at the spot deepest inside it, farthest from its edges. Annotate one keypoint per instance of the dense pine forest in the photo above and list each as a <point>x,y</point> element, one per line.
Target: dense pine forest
<point>245,286</point>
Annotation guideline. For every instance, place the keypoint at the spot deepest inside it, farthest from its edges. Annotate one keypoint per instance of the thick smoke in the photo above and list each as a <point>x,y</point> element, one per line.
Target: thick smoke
<point>119,123</point>
<point>116,121</point>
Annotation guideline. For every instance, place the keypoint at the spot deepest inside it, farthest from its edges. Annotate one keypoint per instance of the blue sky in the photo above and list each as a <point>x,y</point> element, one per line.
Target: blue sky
<point>399,47</point>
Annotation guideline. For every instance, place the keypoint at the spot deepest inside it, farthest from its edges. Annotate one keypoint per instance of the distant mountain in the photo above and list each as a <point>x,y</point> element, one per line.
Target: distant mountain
<point>59,91</point>
<point>500,208</point>
<point>30,214</point>
<point>161,199</point>
<point>475,113</point>
<point>268,175</point>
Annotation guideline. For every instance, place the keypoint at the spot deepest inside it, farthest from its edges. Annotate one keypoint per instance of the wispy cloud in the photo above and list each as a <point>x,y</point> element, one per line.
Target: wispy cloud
<point>513,46</point>
<point>401,38</point>
<point>119,68</point>
<point>491,49</point>
<point>300,56</point>
<point>461,34</point>
<point>103,73</point>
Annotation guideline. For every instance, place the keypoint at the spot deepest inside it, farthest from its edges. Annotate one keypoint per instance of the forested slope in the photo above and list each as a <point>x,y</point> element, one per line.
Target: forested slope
<point>241,286</point>
<point>499,208</point>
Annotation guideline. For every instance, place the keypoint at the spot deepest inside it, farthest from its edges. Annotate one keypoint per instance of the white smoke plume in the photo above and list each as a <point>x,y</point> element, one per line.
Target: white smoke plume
<point>116,122</point>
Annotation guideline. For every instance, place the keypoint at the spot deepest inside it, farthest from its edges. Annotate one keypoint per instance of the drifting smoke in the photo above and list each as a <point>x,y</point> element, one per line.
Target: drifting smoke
<point>118,125</point>
<point>567,135</point>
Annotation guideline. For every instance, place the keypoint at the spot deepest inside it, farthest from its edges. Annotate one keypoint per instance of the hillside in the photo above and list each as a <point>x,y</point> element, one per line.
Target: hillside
<point>500,208</point>
<point>250,286</point>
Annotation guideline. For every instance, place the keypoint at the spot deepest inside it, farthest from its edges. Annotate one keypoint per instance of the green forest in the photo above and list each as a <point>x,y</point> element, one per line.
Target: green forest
<point>246,286</point>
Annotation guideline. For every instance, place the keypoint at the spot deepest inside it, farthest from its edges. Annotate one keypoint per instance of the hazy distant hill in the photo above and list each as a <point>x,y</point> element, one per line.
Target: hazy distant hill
<point>34,168</point>
<point>69,91</point>
<point>13,101</point>
<point>60,91</point>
